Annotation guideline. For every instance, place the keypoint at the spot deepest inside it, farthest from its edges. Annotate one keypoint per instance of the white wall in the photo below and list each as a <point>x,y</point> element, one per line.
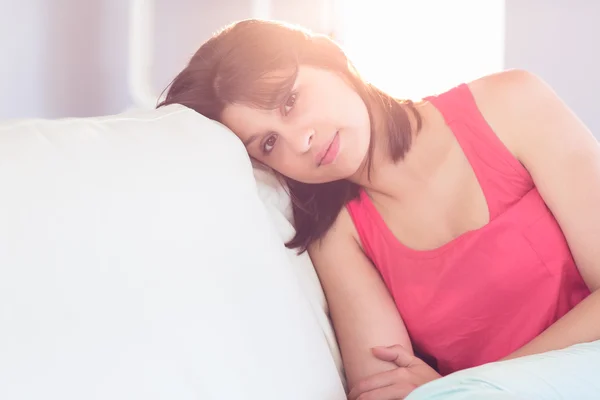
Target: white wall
<point>560,41</point>
<point>69,57</point>
<point>62,57</point>
<point>21,73</point>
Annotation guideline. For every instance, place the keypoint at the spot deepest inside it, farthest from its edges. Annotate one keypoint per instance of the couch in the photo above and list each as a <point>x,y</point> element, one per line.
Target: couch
<point>142,257</point>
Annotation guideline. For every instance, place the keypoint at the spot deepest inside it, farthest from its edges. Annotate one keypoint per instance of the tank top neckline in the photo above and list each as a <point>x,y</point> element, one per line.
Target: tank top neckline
<point>439,103</point>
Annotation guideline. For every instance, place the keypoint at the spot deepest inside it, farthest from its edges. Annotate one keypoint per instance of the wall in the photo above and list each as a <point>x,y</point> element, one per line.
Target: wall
<point>62,57</point>
<point>69,57</point>
<point>558,40</point>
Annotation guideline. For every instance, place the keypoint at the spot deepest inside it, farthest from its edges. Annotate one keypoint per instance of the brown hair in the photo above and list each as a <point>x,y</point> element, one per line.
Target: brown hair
<point>254,62</point>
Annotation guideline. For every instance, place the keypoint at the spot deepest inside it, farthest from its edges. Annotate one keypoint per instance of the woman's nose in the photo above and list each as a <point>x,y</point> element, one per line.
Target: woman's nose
<point>302,140</point>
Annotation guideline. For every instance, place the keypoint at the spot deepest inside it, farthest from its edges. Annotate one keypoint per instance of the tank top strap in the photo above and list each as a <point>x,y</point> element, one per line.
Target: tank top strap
<point>499,173</point>
<point>360,213</point>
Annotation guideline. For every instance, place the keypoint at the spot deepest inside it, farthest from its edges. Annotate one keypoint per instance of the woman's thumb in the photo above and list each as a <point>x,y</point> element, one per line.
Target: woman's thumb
<point>396,354</point>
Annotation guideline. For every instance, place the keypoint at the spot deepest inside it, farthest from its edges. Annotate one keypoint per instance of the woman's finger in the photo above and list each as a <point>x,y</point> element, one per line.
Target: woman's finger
<point>396,354</point>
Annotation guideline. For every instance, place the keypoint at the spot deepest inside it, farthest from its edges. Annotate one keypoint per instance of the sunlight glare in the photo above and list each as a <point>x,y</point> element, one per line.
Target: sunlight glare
<point>414,48</point>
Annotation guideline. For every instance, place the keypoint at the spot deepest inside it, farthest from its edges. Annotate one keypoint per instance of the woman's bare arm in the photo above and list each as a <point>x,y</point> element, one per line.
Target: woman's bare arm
<point>363,312</point>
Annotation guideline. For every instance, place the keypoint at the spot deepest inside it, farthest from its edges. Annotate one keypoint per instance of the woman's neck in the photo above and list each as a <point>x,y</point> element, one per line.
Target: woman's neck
<point>416,169</point>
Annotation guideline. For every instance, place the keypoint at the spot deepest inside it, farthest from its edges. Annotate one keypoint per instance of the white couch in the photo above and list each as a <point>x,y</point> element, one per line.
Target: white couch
<point>142,257</point>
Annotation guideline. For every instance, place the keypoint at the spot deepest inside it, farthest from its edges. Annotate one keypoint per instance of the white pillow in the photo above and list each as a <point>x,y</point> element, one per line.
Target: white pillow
<point>277,200</point>
<point>138,262</point>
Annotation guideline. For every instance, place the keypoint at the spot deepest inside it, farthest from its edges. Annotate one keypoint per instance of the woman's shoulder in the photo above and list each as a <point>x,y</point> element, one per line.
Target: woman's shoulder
<point>495,94</point>
<point>508,100</point>
<point>512,87</point>
<point>509,95</point>
<point>342,233</point>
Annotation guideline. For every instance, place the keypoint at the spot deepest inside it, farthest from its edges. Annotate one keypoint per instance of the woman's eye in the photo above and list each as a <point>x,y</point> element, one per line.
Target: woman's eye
<point>269,144</point>
<point>289,103</point>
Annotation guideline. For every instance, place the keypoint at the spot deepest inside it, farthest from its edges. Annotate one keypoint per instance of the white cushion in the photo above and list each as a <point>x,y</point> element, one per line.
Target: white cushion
<point>278,203</point>
<point>137,261</point>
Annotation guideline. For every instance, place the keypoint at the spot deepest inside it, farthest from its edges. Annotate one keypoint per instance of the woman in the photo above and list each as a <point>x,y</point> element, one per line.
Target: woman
<point>455,231</point>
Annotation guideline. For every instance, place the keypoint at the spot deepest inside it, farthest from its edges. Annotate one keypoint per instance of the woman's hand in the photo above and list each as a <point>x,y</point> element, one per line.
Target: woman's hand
<point>396,384</point>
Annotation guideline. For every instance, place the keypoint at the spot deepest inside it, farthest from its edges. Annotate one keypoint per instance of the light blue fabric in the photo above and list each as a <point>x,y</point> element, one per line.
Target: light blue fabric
<point>571,373</point>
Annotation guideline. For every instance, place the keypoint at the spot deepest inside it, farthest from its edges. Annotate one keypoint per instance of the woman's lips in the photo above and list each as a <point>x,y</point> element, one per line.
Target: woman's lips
<point>328,155</point>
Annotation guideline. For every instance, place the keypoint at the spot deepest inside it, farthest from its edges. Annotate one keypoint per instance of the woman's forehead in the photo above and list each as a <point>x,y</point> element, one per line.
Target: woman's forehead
<point>245,120</point>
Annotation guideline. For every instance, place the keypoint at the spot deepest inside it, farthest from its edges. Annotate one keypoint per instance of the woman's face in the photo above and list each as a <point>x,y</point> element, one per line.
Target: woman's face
<point>321,132</point>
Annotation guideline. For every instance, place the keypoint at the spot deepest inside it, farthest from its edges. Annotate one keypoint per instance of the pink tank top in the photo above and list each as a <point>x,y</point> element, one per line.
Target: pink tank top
<point>490,291</point>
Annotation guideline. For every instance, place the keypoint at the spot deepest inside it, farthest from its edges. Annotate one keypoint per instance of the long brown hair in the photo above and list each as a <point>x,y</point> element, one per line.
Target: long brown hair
<point>255,62</point>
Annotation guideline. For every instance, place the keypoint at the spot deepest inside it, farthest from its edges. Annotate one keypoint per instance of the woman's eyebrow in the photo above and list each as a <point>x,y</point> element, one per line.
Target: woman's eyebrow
<point>251,139</point>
